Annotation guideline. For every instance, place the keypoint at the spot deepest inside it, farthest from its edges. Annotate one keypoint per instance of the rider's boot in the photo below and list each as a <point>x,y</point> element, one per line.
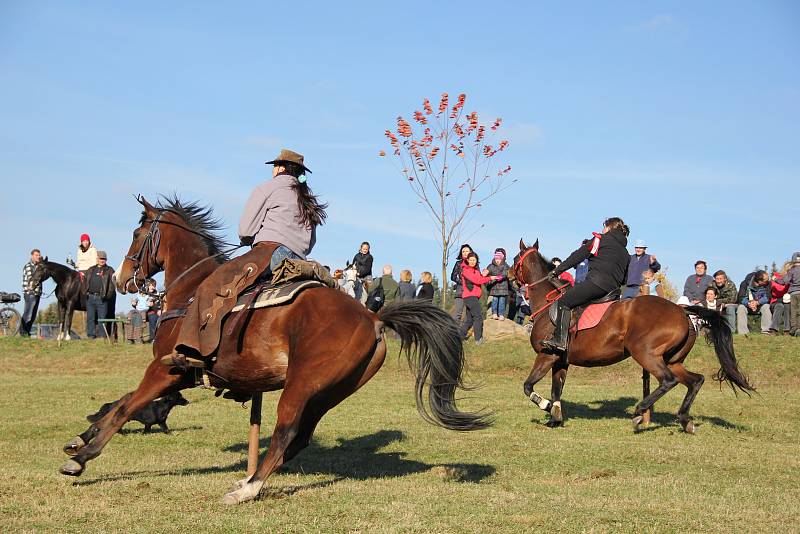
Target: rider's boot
<point>558,343</point>
<point>184,358</point>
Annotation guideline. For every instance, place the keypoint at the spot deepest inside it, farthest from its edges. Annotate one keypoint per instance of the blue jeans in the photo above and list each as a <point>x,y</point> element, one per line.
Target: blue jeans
<point>499,304</point>
<point>29,315</point>
<point>278,256</point>
<point>96,308</point>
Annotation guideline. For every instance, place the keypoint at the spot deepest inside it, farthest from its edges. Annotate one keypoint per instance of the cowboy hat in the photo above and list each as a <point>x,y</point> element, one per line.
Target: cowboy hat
<point>288,156</point>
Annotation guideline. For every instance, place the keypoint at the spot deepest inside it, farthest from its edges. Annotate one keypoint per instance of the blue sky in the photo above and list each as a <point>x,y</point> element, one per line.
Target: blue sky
<point>682,118</point>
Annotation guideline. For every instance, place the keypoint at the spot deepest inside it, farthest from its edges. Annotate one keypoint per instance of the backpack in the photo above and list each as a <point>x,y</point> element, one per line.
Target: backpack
<point>375,299</point>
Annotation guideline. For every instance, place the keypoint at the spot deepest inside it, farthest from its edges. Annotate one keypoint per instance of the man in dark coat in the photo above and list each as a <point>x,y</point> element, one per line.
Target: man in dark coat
<point>100,292</point>
<point>639,263</point>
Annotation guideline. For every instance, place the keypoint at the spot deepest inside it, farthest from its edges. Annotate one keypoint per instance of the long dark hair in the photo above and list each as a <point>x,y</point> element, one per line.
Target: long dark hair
<point>459,258</point>
<point>312,212</point>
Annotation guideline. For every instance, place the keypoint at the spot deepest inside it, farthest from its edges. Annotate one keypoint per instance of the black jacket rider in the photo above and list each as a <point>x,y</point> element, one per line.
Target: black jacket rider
<point>608,264</point>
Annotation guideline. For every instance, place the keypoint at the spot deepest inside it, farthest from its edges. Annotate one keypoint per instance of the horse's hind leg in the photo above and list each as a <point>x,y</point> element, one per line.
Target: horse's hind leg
<point>653,364</point>
<point>693,383</point>
<point>157,381</point>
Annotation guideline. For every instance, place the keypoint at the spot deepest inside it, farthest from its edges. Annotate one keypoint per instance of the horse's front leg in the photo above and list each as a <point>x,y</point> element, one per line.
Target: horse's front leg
<point>157,381</point>
<point>559,378</point>
<point>541,366</point>
<point>61,314</point>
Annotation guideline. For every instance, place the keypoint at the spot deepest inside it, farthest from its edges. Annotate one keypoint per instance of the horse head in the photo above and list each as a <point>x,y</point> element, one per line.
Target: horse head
<point>40,271</point>
<point>529,265</point>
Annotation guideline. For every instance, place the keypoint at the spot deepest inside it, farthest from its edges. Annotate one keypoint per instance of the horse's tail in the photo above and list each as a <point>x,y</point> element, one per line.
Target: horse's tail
<point>433,345</point>
<point>719,334</point>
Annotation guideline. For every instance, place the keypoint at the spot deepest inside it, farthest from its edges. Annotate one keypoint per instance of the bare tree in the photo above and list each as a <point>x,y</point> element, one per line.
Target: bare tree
<point>448,161</point>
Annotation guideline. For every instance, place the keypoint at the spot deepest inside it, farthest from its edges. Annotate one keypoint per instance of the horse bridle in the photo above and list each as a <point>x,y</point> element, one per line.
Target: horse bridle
<point>518,275</point>
<point>151,241</point>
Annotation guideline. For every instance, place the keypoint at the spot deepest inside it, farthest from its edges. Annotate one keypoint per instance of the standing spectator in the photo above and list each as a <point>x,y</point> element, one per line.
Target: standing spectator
<point>455,277</point>
<point>778,290</point>
<point>133,333</point>
<point>425,289</point>
<point>695,287</point>
<point>710,301</point>
<point>406,288</point>
<point>640,262</point>
<point>153,309</point>
<point>792,280</point>
<point>100,291</point>
<point>86,257</point>
<point>31,293</point>
<point>499,290</point>
<point>565,276</point>
<point>363,263</point>
<point>727,297</point>
<point>390,288</point>
<point>471,281</point>
<point>754,293</point>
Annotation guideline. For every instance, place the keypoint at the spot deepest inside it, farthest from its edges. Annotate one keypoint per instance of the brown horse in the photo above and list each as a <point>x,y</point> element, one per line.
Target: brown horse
<point>319,349</point>
<point>657,333</point>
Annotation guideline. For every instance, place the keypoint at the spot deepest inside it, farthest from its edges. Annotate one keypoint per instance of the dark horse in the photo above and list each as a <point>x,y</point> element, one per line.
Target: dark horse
<point>319,349</point>
<point>69,292</point>
<point>654,331</point>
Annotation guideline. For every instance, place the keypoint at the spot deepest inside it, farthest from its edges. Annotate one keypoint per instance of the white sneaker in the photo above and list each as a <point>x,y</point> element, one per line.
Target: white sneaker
<point>501,317</point>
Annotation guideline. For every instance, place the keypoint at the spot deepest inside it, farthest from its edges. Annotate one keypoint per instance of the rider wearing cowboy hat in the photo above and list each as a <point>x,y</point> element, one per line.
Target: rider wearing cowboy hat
<point>608,259</point>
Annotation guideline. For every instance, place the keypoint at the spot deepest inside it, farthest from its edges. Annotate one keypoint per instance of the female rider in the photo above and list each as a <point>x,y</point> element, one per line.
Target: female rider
<point>608,261</point>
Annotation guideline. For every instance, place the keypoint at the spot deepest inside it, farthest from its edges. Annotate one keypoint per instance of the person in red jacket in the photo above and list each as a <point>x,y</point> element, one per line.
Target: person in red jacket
<point>471,281</point>
<point>778,304</point>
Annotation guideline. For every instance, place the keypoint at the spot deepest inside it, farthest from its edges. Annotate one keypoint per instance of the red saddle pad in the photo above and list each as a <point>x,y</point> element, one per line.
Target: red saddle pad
<point>592,315</point>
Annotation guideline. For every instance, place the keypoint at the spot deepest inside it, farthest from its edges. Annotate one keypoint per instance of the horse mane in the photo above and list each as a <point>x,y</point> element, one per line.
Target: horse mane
<point>199,219</point>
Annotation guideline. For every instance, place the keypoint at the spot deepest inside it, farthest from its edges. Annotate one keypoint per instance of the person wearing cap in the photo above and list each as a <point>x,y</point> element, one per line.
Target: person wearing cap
<point>100,292</point>
<point>640,262</point>
<point>281,216</point>
<point>498,289</point>
<point>86,256</point>
<point>695,286</point>
<point>754,294</point>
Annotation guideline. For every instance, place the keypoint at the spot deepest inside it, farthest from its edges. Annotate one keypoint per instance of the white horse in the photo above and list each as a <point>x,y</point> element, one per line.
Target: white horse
<point>347,279</point>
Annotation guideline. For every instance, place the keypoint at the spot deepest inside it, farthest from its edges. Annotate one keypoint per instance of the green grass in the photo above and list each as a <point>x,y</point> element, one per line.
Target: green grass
<point>375,466</point>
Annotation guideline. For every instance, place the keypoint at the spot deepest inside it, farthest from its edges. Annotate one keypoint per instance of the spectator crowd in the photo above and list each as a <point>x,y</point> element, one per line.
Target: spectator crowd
<point>770,299</point>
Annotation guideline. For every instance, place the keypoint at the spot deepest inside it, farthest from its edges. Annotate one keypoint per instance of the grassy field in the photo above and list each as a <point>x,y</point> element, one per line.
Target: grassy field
<point>375,466</point>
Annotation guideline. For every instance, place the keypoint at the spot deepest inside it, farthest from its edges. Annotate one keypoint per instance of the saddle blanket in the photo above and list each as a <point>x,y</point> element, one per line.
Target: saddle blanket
<point>592,315</point>
<point>273,296</point>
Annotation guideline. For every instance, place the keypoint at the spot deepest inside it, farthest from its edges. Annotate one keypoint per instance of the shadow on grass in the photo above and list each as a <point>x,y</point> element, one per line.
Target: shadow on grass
<point>622,408</point>
<point>358,458</point>
<point>155,430</point>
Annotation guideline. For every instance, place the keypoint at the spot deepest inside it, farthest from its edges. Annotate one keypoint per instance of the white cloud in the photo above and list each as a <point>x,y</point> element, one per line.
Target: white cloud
<point>521,134</point>
<point>655,23</point>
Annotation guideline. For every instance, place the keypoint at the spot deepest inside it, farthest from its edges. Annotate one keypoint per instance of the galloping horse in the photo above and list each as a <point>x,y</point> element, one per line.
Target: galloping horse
<point>319,349</point>
<point>657,333</point>
<point>69,292</point>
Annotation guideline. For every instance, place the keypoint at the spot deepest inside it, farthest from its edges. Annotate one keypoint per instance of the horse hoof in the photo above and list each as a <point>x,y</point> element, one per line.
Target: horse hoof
<point>247,492</point>
<point>688,427</point>
<point>74,445</point>
<point>638,423</point>
<point>239,484</point>
<point>71,468</point>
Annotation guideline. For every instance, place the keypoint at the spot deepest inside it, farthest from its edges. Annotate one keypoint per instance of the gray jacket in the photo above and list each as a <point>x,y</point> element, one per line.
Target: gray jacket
<point>271,214</point>
<point>500,287</point>
<point>792,277</point>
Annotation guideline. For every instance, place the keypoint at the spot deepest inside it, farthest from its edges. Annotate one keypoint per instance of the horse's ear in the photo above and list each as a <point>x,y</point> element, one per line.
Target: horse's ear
<point>522,245</point>
<point>145,204</point>
<point>536,245</point>
<point>45,259</point>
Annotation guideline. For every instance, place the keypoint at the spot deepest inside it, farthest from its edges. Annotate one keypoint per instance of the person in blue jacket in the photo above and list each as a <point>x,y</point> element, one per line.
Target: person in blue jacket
<point>639,263</point>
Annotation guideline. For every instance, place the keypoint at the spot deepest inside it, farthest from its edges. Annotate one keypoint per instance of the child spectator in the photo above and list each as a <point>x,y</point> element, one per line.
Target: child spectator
<point>153,309</point>
<point>406,287</point>
<point>650,284</point>
<point>425,288</point>
<point>499,290</point>
<point>471,281</point>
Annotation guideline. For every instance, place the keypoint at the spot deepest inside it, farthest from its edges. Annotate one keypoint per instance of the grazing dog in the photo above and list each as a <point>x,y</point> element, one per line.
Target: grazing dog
<point>155,413</point>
